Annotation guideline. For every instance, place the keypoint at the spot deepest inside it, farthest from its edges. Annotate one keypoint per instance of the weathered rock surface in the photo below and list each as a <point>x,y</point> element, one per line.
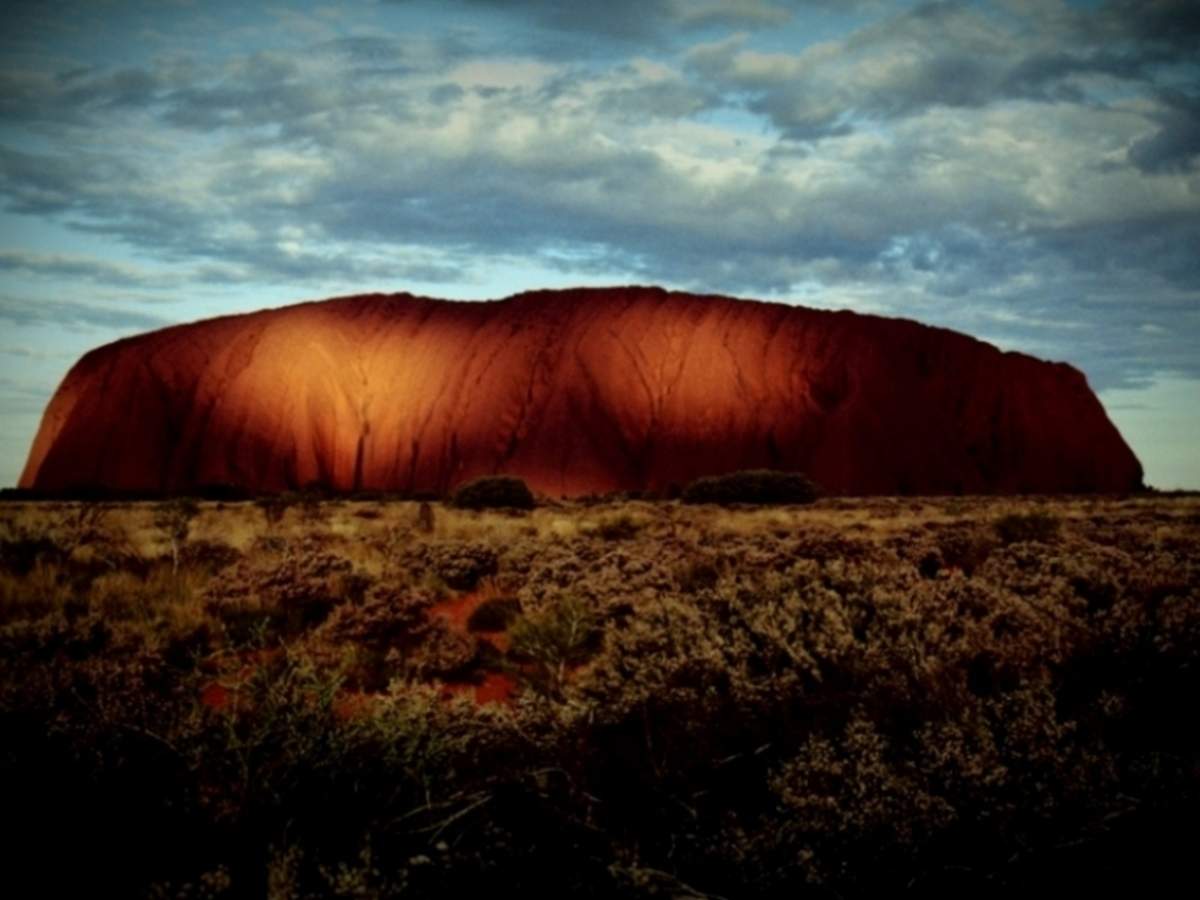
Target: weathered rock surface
<point>575,391</point>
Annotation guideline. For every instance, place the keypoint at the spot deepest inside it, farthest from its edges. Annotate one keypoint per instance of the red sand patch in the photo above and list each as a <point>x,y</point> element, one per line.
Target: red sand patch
<point>496,687</point>
<point>352,705</point>
<point>215,695</point>
<point>241,663</point>
<point>457,612</point>
<point>232,671</point>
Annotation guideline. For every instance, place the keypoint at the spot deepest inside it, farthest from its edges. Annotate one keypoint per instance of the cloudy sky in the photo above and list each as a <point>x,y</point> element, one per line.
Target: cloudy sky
<point>1026,171</point>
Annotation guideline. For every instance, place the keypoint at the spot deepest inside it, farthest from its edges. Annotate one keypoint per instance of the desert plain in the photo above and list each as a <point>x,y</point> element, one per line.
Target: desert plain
<point>304,696</point>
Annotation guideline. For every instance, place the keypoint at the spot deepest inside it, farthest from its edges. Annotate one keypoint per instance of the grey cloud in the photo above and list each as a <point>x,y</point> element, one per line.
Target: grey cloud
<point>21,397</point>
<point>674,99</point>
<point>129,87</point>
<point>73,267</point>
<point>734,13</point>
<point>37,353</point>
<point>265,87</point>
<point>446,93</point>
<point>38,184</point>
<point>931,222</point>
<point>618,18</point>
<point>1159,248</point>
<point>368,51</point>
<point>1175,147</point>
<point>572,202</point>
<point>76,268</point>
<point>1171,22</point>
<point>32,311</point>
<point>642,20</point>
<point>951,55</point>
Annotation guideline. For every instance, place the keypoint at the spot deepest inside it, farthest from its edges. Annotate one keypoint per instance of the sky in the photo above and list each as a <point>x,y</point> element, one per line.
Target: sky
<point>1025,171</point>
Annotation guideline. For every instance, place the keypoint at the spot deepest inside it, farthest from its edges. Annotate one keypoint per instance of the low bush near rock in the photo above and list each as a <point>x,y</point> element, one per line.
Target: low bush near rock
<point>494,492</point>
<point>756,486</point>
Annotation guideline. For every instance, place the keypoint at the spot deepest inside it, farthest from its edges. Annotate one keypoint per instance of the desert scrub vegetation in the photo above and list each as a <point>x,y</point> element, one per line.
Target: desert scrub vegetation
<point>756,486</point>
<point>1032,526</point>
<point>493,492</point>
<point>564,633</point>
<point>611,699</point>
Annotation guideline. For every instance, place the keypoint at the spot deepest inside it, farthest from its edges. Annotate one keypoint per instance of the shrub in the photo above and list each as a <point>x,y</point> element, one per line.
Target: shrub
<point>697,574</point>
<point>494,492</point>
<point>386,618</point>
<point>618,527</point>
<point>494,614</point>
<point>22,553</point>
<point>425,521</point>
<point>461,566</point>
<point>759,713</point>
<point>208,556</point>
<point>174,519</point>
<point>965,548</point>
<point>564,634</point>
<point>221,490</point>
<point>1035,527</point>
<point>293,593</point>
<point>312,500</point>
<point>758,486</point>
<point>273,507</point>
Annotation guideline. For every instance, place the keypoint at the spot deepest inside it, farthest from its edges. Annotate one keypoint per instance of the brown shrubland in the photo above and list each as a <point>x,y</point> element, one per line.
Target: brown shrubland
<point>845,697</point>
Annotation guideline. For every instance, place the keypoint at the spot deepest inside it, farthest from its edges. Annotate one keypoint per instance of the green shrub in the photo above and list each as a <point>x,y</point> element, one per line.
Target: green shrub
<point>566,633</point>
<point>494,492</point>
<point>758,486</point>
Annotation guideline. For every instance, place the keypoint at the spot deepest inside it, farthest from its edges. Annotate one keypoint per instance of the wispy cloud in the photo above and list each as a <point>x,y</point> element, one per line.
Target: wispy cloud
<point>81,268</point>
<point>38,353</point>
<point>73,314</point>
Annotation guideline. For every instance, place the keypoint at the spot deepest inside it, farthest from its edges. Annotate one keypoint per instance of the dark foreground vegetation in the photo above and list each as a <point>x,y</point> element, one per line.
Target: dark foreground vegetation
<point>376,699</point>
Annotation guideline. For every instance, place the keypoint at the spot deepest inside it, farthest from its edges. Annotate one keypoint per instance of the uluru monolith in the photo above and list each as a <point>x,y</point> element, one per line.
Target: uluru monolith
<point>575,391</point>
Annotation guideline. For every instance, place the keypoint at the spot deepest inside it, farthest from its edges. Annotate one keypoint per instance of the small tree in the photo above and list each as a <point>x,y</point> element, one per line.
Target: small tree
<point>565,633</point>
<point>174,519</point>
<point>82,524</point>
<point>273,507</point>
<point>425,521</point>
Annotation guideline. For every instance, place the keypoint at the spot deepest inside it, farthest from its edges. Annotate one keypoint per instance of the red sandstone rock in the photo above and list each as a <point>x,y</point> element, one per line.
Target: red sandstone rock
<point>575,391</point>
